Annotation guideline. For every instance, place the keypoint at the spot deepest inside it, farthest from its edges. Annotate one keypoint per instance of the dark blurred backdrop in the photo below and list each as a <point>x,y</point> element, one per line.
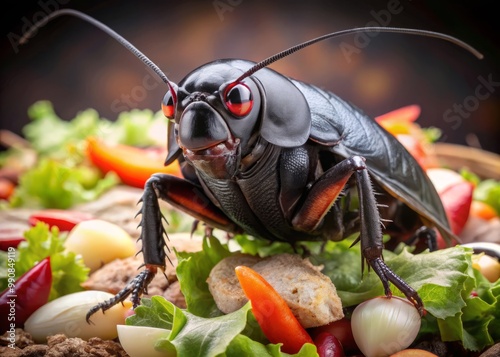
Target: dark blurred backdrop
<point>76,66</point>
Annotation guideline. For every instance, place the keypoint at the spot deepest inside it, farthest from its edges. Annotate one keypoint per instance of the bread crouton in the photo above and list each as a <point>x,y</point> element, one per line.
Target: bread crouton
<point>311,295</point>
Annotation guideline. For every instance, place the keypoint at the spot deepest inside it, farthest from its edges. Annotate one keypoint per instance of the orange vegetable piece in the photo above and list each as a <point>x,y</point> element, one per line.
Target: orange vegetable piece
<point>134,166</point>
<point>272,312</point>
<point>6,189</point>
<point>482,210</point>
<point>406,114</point>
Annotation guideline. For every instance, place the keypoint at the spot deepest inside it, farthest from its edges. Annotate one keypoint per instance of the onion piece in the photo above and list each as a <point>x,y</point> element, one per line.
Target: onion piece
<point>383,326</point>
<point>99,242</point>
<point>139,341</point>
<point>488,266</point>
<point>67,315</point>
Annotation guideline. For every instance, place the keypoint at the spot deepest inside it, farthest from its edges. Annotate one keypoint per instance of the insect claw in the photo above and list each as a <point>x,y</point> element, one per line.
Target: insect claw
<point>194,227</point>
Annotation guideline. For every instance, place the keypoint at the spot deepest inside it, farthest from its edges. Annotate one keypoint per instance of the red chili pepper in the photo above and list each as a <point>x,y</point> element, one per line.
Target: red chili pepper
<point>133,165</point>
<point>328,345</point>
<point>10,238</point>
<point>272,312</point>
<point>65,220</point>
<point>22,297</point>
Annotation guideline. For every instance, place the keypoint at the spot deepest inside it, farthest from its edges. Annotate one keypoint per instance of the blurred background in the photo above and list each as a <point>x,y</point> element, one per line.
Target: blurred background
<point>76,66</point>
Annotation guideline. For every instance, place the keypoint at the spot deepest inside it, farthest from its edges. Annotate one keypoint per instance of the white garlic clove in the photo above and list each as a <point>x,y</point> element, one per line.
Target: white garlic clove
<point>67,315</point>
<point>383,326</point>
<point>139,341</point>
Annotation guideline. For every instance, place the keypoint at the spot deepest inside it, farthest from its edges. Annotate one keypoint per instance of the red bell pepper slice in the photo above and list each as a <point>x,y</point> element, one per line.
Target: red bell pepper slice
<point>24,296</point>
<point>134,166</point>
<point>272,312</point>
<point>65,220</point>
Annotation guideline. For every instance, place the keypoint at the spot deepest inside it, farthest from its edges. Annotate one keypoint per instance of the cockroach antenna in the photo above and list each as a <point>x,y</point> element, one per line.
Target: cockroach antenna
<point>125,43</point>
<point>266,62</point>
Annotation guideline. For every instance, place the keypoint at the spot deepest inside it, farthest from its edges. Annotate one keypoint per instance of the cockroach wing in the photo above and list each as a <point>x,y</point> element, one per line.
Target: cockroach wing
<point>348,131</point>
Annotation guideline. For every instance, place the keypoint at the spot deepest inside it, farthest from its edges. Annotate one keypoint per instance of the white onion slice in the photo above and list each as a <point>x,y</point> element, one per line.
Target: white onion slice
<point>383,326</point>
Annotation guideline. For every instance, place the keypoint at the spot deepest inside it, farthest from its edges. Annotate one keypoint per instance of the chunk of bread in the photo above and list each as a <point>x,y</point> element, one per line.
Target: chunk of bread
<point>223,283</point>
<point>311,295</point>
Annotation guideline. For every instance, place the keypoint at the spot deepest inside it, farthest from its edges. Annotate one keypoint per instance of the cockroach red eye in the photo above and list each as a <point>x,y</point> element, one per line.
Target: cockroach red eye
<point>238,99</point>
<point>168,106</point>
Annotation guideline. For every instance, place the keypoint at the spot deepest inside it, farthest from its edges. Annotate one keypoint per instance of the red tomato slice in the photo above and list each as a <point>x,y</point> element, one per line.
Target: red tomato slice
<point>65,220</point>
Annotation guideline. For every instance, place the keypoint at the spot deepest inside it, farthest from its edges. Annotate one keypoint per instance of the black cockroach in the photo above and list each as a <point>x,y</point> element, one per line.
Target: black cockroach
<point>268,155</point>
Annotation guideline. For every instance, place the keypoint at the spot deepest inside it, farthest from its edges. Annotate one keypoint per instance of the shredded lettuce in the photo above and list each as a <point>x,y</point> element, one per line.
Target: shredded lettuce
<point>461,304</point>
<point>68,269</point>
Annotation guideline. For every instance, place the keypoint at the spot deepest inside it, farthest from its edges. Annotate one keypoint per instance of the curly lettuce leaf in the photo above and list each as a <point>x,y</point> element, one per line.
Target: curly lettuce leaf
<point>68,269</point>
<point>157,312</point>
<point>52,184</point>
<point>242,345</point>
<point>51,135</point>
<point>138,128</point>
<point>192,272</point>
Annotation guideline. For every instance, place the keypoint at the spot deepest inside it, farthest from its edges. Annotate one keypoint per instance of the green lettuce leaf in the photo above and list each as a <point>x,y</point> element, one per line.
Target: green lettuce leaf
<point>242,345</point>
<point>192,272</point>
<point>452,311</point>
<point>52,184</point>
<point>232,335</point>
<point>68,269</point>
<point>461,304</point>
<point>51,135</point>
<point>3,270</point>
<point>157,312</point>
<point>136,128</point>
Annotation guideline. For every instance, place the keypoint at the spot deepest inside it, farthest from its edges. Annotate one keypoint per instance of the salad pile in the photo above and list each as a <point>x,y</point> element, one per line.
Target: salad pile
<point>87,156</point>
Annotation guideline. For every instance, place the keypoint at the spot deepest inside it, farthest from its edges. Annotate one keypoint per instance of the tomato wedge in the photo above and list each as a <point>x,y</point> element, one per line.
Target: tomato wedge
<point>133,165</point>
<point>65,220</point>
